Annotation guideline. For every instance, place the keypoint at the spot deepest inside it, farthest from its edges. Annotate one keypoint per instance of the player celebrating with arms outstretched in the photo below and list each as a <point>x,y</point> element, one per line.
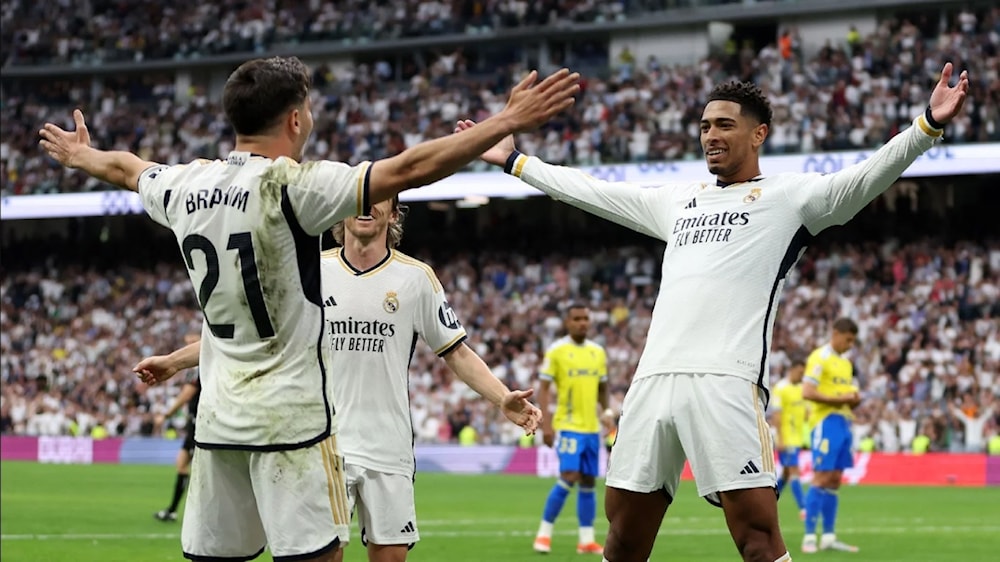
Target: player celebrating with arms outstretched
<point>267,473</point>
<point>701,387</point>
<point>379,301</point>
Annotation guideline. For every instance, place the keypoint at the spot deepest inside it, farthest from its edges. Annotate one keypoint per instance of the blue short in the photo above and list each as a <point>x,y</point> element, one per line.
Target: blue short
<point>831,444</point>
<point>578,452</point>
<point>789,457</point>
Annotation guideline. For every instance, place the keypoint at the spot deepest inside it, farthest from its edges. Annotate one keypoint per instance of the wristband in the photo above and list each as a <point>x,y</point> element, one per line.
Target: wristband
<point>931,121</point>
<point>509,166</point>
<point>608,413</point>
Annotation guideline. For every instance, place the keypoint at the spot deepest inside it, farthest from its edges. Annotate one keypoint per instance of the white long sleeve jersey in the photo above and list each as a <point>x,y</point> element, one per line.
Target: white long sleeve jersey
<point>249,233</point>
<point>729,248</point>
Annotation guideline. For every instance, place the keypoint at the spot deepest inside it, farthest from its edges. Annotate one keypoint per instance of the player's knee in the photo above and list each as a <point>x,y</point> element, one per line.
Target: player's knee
<point>758,545</point>
<point>587,481</point>
<point>623,546</point>
<point>570,478</point>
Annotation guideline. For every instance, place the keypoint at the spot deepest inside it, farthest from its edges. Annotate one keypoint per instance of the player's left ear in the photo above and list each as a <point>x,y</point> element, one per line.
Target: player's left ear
<point>760,134</point>
<point>295,121</point>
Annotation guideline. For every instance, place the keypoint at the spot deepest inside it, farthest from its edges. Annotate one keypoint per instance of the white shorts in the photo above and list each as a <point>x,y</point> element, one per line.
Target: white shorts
<point>387,514</point>
<point>294,502</point>
<point>714,421</point>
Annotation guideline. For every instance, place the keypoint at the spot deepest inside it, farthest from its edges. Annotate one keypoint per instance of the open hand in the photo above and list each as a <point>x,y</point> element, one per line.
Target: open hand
<point>65,146</point>
<point>500,151</point>
<point>155,369</point>
<point>520,410</point>
<point>947,101</point>
<point>532,105</point>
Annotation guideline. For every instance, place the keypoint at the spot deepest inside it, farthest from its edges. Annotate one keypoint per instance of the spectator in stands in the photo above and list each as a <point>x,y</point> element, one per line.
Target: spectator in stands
<point>69,336</point>
<point>851,95</point>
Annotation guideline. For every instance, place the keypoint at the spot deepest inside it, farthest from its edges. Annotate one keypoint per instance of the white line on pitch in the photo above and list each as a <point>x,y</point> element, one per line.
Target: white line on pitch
<point>519,533</point>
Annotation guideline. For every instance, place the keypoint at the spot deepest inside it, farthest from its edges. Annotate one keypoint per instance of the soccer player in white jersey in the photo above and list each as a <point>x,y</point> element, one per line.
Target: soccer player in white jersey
<point>248,227</point>
<point>379,302</point>
<point>701,389</point>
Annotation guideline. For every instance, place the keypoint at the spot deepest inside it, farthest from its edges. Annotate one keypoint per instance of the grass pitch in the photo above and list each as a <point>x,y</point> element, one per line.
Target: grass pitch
<point>104,513</point>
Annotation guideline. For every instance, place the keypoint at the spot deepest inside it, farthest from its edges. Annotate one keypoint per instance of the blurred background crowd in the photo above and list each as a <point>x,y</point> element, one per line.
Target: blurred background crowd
<point>77,311</point>
<point>855,93</point>
<point>928,355</point>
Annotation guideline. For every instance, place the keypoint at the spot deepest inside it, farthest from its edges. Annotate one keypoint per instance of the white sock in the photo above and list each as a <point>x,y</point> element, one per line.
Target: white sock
<point>586,535</point>
<point>828,538</point>
<point>545,529</point>
<point>786,558</point>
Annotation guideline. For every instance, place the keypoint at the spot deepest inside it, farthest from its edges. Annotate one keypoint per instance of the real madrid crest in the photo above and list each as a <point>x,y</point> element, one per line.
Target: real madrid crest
<point>391,303</point>
<point>752,196</point>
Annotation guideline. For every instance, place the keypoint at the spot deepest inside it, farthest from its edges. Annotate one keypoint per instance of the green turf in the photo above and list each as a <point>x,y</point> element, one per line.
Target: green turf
<point>104,513</point>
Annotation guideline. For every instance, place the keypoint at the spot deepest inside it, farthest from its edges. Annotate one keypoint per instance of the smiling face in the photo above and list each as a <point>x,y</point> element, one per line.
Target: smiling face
<point>731,141</point>
<point>374,225</point>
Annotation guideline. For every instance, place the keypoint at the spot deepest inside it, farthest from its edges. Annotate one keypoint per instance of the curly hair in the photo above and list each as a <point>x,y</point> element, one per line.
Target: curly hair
<point>751,99</point>
<point>394,235</point>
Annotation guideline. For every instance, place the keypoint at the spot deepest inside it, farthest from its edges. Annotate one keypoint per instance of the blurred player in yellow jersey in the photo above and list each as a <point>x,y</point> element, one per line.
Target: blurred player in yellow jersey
<point>789,419</point>
<point>578,369</point>
<point>829,385</point>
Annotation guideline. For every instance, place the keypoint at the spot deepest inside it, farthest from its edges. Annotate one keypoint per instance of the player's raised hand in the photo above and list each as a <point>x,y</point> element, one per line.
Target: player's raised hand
<point>64,146</point>
<point>531,105</point>
<point>155,369</point>
<point>947,101</point>
<point>520,410</point>
<point>500,151</point>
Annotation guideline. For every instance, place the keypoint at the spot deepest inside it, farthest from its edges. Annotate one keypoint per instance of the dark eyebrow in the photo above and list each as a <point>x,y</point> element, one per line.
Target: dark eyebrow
<point>719,120</point>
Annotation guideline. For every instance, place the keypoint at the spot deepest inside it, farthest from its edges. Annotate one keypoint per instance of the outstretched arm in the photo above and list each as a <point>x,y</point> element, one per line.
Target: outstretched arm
<point>836,198</point>
<point>528,107</point>
<point>72,149</point>
<point>471,369</point>
<point>627,204</point>
<point>159,368</point>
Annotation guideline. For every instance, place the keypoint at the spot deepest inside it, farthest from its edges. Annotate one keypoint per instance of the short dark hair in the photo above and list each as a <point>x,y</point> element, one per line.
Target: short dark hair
<point>845,326</point>
<point>796,359</point>
<point>576,305</point>
<point>260,91</point>
<point>751,99</point>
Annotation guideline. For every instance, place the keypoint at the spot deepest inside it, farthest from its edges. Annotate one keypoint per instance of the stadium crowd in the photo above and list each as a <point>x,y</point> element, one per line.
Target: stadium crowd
<point>928,357</point>
<point>102,30</point>
<point>855,93</point>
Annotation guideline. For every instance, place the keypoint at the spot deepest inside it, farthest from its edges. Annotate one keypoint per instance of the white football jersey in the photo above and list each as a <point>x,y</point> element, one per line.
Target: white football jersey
<point>249,232</point>
<point>728,248</point>
<point>373,320</point>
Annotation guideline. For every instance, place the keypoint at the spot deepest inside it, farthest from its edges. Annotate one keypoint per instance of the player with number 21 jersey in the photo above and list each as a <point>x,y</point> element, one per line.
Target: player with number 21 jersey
<point>264,381</point>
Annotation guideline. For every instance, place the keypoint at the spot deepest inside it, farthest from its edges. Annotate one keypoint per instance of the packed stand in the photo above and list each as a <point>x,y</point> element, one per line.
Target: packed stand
<point>94,31</point>
<point>855,94</point>
<point>927,359</point>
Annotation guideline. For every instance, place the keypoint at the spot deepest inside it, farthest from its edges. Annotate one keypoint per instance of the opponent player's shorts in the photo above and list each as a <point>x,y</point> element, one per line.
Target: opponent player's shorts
<point>386,510</point>
<point>789,457</point>
<point>578,452</point>
<point>294,502</point>
<point>714,421</point>
<point>189,437</point>
<point>831,444</point>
